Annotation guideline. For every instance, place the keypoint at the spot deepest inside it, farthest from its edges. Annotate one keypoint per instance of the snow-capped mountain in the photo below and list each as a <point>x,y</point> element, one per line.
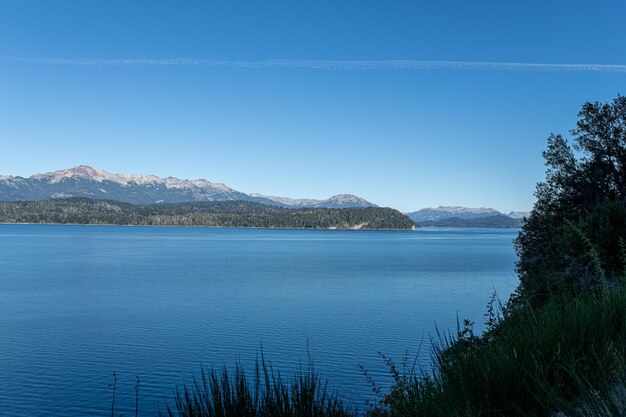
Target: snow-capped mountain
<point>85,181</point>
<point>519,214</point>
<point>340,200</point>
<point>88,173</point>
<point>447,212</point>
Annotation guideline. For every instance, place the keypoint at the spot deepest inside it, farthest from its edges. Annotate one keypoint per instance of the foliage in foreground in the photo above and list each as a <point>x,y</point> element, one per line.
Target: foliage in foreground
<point>263,393</point>
<point>569,356</point>
<point>560,342</point>
<point>584,194</point>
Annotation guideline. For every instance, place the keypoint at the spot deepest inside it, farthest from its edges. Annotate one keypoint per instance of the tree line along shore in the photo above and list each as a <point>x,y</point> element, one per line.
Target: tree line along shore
<point>207,214</point>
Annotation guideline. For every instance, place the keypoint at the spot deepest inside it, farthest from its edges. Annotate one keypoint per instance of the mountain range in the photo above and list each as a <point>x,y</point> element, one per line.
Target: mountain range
<point>456,216</point>
<point>85,181</point>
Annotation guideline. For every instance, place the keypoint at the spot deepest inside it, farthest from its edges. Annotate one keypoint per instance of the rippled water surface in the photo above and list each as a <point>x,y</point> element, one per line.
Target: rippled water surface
<point>80,302</point>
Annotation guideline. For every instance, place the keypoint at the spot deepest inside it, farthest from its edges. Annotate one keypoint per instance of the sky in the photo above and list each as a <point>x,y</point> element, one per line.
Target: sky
<point>408,104</point>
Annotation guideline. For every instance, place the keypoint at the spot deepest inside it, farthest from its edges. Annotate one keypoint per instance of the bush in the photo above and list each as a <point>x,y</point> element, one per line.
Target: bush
<point>568,356</point>
<point>582,255</point>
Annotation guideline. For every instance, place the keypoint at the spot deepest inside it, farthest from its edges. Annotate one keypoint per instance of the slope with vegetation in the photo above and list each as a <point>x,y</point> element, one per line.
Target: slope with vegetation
<point>557,347</point>
<point>215,214</point>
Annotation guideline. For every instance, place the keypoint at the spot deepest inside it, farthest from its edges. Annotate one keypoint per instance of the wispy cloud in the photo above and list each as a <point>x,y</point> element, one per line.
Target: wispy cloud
<point>325,64</point>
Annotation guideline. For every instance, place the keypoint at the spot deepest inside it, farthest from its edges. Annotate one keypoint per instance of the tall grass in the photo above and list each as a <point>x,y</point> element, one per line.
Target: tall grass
<point>568,357</point>
<point>264,392</point>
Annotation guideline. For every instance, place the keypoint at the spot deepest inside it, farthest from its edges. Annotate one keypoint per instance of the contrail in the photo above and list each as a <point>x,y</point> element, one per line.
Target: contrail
<point>341,65</point>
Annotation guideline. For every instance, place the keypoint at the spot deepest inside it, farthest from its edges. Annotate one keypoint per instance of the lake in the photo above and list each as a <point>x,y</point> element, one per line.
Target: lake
<point>78,303</point>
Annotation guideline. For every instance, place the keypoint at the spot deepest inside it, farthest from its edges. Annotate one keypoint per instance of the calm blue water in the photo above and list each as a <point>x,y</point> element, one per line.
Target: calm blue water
<point>79,302</point>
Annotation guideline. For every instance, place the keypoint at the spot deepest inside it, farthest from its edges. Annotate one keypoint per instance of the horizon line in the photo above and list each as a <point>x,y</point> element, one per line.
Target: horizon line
<point>339,65</point>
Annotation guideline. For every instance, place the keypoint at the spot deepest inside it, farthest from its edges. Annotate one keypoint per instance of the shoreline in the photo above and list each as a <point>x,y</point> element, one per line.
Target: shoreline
<point>261,228</point>
<point>211,227</point>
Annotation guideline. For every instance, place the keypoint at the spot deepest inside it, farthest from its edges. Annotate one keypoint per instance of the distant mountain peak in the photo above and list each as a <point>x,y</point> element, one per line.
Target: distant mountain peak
<point>462,209</point>
<point>86,172</point>
<point>79,171</point>
<point>434,214</point>
<point>519,214</point>
<point>446,212</point>
<point>346,197</point>
<point>339,200</point>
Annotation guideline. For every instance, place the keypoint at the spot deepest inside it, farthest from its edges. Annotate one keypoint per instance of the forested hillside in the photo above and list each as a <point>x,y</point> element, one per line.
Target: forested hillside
<point>216,214</point>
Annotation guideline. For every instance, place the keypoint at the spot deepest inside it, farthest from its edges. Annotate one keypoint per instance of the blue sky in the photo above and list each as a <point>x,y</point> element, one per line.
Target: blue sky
<point>405,136</point>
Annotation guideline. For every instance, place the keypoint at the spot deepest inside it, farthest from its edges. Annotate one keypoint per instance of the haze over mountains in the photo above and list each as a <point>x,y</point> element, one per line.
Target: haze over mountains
<point>85,181</point>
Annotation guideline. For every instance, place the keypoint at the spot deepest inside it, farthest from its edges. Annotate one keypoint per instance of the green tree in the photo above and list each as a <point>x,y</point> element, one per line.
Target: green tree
<point>585,187</point>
